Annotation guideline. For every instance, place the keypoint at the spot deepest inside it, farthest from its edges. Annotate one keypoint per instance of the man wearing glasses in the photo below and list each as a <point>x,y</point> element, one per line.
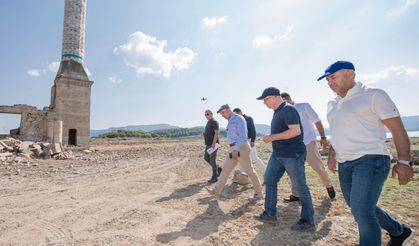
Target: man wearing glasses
<point>211,139</point>
<point>288,154</point>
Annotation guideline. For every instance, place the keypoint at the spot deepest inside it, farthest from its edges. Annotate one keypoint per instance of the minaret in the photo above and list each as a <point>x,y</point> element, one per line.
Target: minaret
<point>72,53</point>
<point>70,96</point>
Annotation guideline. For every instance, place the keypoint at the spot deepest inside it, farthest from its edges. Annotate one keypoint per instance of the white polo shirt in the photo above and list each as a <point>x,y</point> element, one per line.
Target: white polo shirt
<point>308,118</point>
<point>355,122</point>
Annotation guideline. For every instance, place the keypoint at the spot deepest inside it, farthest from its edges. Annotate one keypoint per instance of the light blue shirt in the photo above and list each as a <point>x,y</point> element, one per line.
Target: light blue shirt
<point>236,131</point>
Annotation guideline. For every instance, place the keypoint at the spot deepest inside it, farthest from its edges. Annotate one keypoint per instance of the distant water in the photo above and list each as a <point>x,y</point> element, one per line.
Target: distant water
<point>410,134</point>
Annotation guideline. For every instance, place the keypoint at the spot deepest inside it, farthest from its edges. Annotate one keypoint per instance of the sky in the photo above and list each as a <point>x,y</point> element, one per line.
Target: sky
<point>152,61</point>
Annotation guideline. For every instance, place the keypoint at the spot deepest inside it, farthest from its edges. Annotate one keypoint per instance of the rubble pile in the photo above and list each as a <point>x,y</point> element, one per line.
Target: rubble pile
<point>13,150</point>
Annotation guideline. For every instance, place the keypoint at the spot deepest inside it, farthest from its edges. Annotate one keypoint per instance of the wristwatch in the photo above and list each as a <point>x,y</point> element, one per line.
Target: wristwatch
<point>404,162</point>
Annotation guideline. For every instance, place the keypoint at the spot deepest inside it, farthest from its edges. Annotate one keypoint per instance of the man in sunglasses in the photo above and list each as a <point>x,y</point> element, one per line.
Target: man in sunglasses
<point>211,139</point>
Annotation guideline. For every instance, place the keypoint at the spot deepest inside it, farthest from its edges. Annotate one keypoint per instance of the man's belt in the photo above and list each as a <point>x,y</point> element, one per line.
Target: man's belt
<point>232,144</point>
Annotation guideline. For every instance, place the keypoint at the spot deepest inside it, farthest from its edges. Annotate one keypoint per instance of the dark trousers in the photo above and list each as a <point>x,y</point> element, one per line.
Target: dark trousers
<point>211,159</point>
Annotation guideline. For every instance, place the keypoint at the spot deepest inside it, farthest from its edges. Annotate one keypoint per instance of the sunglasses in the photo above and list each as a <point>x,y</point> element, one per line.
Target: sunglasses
<point>207,114</point>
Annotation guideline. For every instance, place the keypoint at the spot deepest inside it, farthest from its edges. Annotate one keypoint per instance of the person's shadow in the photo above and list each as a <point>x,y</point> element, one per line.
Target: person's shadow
<point>281,233</point>
<point>206,223</point>
<point>183,192</point>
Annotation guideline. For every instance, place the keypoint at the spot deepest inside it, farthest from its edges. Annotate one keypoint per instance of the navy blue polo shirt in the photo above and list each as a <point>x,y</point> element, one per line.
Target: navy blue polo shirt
<point>283,116</point>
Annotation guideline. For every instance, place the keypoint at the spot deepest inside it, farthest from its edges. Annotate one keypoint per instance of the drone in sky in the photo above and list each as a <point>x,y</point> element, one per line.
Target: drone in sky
<point>203,99</point>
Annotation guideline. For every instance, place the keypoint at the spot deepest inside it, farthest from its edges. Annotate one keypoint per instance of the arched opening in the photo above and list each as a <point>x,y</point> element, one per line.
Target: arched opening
<point>9,124</point>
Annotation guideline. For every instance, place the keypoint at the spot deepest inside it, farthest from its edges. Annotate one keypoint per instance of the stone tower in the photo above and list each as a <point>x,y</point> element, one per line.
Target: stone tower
<point>70,94</point>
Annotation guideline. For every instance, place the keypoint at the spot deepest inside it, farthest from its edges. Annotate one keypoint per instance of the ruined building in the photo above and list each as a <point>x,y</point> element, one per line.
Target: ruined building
<point>67,119</point>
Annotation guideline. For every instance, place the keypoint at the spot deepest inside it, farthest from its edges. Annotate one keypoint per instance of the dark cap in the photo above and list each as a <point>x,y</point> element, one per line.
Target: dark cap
<point>270,91</point>
<point>225,106</point>
<point>237,110</point>
<point>336,67</point>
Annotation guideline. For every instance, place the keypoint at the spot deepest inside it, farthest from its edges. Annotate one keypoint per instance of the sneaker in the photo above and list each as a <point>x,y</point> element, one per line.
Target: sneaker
<point>401,240</point>
<point>331,192</point>
<point>292,199</point>
<point>212,180</point>
<point>256,196</point>
<point>264,217</point>
<point>219,169</point>
<point>303,225</point>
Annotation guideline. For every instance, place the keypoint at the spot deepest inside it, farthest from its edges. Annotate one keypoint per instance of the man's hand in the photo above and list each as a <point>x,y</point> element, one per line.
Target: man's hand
<point>404,173</point>
<point>267,138</point>
<point>324,143</point>
<point>213,145</point>
<point>252,144</point>
<point>331,164</point>
<point>235,154</point>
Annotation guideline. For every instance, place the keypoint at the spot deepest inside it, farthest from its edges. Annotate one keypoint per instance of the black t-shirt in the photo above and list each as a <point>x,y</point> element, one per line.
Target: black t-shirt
<point>210,128</point>
<point>283,116</point>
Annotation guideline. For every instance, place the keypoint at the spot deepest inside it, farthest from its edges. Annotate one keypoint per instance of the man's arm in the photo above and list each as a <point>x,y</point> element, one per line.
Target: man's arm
<point>214,141</point>
<point>293,131</point>
<point>323,139</point>
<point>401,141</point>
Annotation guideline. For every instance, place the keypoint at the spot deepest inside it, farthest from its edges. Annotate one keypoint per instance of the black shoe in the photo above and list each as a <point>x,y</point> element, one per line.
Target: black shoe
<point>212,180</point>
<point>331,192</point>
<point>219,169</point>
<point>303,225</point>
<point>292,199</point>
<point>401,240</point>
<point>264,217</point>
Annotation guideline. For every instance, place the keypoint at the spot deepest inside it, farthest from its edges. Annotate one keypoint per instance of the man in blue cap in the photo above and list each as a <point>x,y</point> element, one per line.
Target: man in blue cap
<point>357,118</point>
<point>288,154</point>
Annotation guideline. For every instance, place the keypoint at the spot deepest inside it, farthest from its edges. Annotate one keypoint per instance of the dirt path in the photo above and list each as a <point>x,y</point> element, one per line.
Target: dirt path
<point>148,193</point>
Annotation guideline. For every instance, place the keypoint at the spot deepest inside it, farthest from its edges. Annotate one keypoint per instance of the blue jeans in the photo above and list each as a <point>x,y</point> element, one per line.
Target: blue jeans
<point>295,169</point>
<point>361,181</point>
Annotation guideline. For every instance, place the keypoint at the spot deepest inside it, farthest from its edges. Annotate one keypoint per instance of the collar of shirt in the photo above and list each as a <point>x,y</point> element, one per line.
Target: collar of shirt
<point>358,87</point>
<point>280,106</point>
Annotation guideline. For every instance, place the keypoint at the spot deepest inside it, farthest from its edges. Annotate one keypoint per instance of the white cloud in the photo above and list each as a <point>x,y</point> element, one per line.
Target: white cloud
<point>35,72</point>
<point>54,66</point>
<point>392,74</point>
<point>147,56</point>
<point>401,9</point>
<point>115,80</point>
<point>266,41</point>
<point>214,21</point>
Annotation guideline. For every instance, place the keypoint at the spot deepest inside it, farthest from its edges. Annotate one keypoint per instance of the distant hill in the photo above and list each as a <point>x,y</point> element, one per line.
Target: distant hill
<point>262,129</point>
<point>146,128</point>
<point>411,123</point>
<point>192,132</point>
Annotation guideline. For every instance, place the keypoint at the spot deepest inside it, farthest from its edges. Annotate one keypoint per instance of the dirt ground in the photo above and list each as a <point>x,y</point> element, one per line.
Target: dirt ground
<point>151,193</point>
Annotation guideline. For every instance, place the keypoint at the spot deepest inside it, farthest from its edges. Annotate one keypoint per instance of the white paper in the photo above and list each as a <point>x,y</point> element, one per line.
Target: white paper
<point>211,150</point>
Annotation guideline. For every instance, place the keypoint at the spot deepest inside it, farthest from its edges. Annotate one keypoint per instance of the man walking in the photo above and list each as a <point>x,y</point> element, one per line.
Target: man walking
<point>357,118</point>
<point>251,134</point>
<point>239,151</point>
<point>288,154</point>
<point>211,139</point>
<point>309,117</point>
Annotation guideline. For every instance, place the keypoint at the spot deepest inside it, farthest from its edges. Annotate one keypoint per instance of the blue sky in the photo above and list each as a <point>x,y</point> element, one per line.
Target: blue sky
<point>152,61</point>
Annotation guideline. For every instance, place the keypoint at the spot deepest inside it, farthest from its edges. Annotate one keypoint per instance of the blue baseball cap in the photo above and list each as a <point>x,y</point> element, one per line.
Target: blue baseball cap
<point>336,67</point>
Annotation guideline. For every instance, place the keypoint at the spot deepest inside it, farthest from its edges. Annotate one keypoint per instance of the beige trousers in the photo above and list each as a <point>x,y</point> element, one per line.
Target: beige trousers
<point>315,161</point>
<point>229,166</point>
